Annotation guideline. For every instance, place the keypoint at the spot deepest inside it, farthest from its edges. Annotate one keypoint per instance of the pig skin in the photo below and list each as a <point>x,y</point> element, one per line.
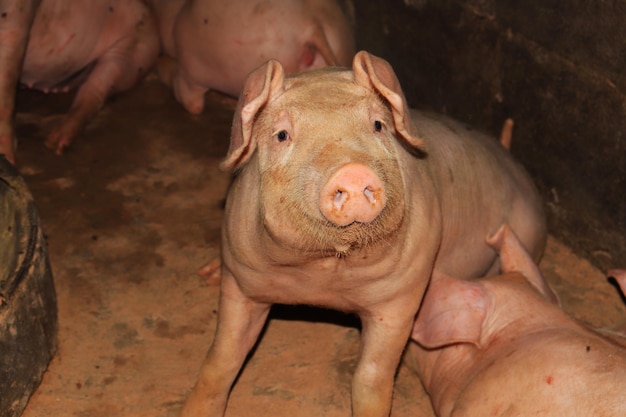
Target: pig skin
<point>215,44</point>
<point>501,346</point>
<point>446,189</point>
<point>99,47</point>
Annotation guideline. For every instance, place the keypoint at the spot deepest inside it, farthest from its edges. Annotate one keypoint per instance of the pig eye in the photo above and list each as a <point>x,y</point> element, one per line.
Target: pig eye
<point>378,126</point>
<point>282,136</point>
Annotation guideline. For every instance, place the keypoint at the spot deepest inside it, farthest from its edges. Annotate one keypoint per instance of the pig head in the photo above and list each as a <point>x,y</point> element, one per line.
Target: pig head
<point>337,201</point>
<point>501,346</point>
<point>216,44</point>
<point>97,47</point>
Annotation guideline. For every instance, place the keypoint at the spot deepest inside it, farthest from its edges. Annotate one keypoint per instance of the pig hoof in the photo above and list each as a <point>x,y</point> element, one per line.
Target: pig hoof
<point>353,194</point>
<point>211,272</point>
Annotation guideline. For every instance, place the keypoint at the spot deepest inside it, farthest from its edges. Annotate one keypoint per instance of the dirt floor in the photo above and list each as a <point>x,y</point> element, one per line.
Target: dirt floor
<point>131,212</point>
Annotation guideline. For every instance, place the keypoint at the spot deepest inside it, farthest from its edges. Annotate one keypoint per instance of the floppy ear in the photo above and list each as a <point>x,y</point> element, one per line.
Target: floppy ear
<point>261,86</point>
<point>515,258</point>
<point>376,74</point>
<point>453,311</point>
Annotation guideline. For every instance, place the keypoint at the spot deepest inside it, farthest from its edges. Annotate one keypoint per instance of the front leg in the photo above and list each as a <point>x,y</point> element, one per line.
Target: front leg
<point>383,339</point>
<point>239,324</point>
<point>15,22</point>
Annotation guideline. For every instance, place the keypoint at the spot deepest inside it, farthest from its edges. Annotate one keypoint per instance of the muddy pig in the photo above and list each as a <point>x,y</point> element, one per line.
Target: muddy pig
<point>345,199</point>
<point>215,44</point>
<point>97,46</point>
<point>501,346</point>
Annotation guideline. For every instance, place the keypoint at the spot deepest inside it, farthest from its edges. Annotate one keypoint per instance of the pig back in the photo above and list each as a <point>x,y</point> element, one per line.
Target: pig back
<point>480,187</point>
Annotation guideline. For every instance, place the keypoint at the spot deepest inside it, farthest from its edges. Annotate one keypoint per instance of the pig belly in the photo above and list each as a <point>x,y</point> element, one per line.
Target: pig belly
<point>66,37</point>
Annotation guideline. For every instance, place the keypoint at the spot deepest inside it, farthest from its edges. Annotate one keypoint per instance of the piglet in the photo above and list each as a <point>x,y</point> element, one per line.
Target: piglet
<point>501,346</point>
<point>97,47</point>
<point>214,44</point>
<point>343,198</point>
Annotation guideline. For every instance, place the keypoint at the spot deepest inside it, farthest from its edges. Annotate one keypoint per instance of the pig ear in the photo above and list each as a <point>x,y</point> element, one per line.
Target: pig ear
<point>453,311</point>
<point>376,74</point>
<point>515,258</point>
<point>260,87</point>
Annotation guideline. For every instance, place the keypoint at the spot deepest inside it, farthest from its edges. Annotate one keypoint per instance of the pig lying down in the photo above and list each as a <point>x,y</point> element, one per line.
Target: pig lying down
<point>343,198</point>
<point>501,346</point>
<point>215,44</point>
<point>98,47</point>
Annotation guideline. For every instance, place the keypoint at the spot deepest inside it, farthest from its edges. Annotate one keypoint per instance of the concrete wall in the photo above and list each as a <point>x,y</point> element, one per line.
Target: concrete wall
<point>558,68</point>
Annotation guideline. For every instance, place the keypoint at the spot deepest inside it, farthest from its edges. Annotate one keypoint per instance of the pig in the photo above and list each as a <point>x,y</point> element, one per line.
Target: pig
<point>97,47</point>
<point>344,198</point>
<point>211,44</point>
<point>501,346</point>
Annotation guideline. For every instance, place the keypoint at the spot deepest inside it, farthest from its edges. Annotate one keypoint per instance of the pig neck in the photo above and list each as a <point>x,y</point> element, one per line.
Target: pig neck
<point>448,370</point>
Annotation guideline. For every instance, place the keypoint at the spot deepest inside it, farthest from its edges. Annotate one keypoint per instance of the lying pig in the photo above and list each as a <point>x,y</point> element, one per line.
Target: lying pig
<point>215,44</point>
<point>501,346</point>
<point>345,199</point>
<point>97,46</point>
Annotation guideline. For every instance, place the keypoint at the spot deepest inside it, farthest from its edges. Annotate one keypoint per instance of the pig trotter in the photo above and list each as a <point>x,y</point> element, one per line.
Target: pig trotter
<point>239,324</point>
<point>62,135</point>
<point>211,271</point>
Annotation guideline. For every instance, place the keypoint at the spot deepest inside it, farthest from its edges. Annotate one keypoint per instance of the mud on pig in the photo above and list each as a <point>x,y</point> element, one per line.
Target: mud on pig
<point>501,346</point>
<point>97,46</point>
<point>344,198</point>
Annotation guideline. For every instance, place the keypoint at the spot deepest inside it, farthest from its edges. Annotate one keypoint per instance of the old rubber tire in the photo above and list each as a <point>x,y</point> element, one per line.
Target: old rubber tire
<point>28,309</point>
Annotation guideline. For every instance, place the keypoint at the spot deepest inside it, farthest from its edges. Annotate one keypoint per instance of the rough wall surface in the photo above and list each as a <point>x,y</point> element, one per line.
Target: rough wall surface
<point>554,67</point>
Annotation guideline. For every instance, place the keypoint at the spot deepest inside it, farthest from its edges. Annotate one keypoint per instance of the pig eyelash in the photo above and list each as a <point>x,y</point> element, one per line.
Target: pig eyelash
<point>282,136</point>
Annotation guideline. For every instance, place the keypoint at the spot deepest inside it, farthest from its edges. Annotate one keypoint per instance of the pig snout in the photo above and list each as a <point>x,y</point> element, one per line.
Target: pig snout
<point>354,193</point>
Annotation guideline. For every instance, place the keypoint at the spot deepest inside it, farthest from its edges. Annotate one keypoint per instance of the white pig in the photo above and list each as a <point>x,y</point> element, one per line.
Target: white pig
<point>343,198</point>
<point>501,346</point>
<point>98,47</point>
<point>215,44</point>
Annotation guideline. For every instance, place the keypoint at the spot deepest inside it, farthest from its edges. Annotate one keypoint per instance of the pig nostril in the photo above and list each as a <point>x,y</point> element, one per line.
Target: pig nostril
<point>340,198</point>
<point>353,193</point>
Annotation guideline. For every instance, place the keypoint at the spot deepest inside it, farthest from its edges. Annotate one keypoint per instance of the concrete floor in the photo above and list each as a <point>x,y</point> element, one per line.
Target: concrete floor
<point>131,212</point>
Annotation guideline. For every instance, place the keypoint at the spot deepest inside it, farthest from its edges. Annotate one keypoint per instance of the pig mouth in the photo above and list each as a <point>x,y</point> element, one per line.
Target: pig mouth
<point>358,235</point>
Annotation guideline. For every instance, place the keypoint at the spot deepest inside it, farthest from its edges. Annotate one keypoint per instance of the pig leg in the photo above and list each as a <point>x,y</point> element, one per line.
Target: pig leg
<point>189,93</point>
<point>116,70</point>
<point>16,18</point>
<point>383,339</point>
<point>239,324</point>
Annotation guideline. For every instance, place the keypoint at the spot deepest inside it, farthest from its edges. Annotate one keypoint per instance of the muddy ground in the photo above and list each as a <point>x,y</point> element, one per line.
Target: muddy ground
<point>131,212</point>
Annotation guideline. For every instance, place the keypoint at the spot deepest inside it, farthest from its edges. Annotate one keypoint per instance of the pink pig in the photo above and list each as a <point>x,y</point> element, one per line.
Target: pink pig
<point>343,198</point>
<point>216,44</point>
<point>501,346</point>
<point>97,46</point>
